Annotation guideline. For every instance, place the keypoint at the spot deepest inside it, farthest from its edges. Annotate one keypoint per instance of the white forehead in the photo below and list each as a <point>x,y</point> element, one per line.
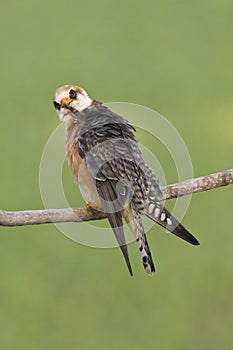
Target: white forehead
<point>63,92</point>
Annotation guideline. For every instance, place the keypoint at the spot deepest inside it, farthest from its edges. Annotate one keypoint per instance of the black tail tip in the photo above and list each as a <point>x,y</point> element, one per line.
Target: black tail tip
<point>195,241</point>
<point>130,270</point>
<point>129,267</point>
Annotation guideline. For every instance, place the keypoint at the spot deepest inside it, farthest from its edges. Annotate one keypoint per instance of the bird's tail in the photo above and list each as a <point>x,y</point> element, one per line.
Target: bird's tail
<point>115,221</point>
<point>144,249</point>
<point>163,217</point>
<point>108,196</point>
<point>136,226</point>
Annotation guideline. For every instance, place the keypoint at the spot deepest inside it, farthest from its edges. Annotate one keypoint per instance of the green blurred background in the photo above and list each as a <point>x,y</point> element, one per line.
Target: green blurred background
<point>175,57</point>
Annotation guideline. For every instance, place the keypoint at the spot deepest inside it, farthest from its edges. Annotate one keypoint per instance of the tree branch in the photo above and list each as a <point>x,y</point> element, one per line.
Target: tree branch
<point>200,184</point>
<point>33,217</point>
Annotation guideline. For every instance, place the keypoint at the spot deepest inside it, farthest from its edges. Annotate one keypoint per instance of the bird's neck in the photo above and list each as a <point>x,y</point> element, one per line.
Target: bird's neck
<point>84,103</point>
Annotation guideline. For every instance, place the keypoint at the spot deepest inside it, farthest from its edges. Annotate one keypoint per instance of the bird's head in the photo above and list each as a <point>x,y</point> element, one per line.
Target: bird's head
<point>70,97</point>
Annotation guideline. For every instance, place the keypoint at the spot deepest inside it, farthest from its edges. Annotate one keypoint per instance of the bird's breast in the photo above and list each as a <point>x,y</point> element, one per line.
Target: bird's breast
<point>81,172</point>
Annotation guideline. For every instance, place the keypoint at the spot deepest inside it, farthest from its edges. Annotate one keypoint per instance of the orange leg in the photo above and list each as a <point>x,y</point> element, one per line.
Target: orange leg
<point>93,205</point>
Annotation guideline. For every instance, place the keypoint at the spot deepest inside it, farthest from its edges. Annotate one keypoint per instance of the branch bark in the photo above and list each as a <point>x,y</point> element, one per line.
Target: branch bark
<point>34,217</point>
<point>199,184</point>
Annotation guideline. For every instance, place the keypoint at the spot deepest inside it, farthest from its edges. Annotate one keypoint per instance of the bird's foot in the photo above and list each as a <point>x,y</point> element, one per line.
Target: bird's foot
<point>94,205</point>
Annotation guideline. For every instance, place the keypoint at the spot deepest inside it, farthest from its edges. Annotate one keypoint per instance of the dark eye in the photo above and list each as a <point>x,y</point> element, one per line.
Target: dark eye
<point>73,94</point>
<point>57,105</point>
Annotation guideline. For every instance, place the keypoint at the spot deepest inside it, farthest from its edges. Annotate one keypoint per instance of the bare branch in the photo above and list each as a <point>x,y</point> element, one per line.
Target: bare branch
<point>47,216</point>
<point>33,217</point>
<point>199,184</point>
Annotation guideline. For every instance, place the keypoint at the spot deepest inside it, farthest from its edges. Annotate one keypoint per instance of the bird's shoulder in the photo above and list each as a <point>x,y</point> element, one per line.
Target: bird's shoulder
<point>101,124</point>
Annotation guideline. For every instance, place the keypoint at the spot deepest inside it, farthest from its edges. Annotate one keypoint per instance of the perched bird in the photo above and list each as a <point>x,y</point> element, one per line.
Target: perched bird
<point>106,161</point>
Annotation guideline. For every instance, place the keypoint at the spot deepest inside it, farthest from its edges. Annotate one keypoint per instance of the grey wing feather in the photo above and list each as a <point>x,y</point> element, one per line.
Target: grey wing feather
<point>106,190</point>
<point>113,157</point>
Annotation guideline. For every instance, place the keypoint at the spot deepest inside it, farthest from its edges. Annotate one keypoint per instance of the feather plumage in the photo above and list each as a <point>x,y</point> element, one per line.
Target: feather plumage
<point>126,186</point>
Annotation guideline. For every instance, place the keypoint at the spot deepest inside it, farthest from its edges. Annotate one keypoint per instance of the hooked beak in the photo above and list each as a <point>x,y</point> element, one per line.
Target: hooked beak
<point>65,102</point>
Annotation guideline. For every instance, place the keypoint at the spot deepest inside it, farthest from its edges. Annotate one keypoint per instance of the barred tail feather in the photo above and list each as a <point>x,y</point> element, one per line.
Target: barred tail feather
<point>145,255</point>
<point>135,224</point>
<point>163,217</point>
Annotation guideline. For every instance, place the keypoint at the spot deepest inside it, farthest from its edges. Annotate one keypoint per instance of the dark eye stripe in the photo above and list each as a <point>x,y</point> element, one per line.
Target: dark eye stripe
<point>57,105</point>
<point>73,94</point>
